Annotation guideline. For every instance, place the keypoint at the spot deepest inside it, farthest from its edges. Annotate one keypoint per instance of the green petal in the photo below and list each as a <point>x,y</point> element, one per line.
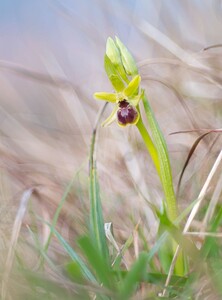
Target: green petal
<point>127,59</point>
<point>135,100</point>
<point>117,83</point>
<point>132,86</point>
<point>109,97</point>
<point>111,118</point>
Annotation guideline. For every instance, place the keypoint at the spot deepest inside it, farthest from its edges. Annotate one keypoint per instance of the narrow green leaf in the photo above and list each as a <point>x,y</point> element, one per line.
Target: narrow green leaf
<point>165,175</point>
<point>97,261</point>
<point>74,272</point>
<point>211,246</point>
<point>165,252</point>
<point>74,256</point>
<point>58,210</point>
<point>97,230</point>
<point>136,274</point>
<point>159,279</point>
<point>119,258</point>
<point>186,244</point>
<point>165,235</point>
<point>164,163</point>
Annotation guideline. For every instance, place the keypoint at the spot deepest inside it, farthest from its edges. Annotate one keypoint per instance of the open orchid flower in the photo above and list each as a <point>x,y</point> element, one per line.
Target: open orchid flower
<point>120,67</point>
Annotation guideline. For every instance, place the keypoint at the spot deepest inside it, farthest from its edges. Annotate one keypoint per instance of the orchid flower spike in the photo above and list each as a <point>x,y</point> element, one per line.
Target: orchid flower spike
<point>123,75</point>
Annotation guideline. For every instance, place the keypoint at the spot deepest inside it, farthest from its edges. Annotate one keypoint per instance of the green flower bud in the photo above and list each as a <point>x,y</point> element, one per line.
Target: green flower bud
<point>112,51</point>
<point>113,75</point>
<point>127,59</point>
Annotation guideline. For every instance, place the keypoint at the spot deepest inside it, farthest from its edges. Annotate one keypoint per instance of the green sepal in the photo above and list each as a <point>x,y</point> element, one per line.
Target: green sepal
<point>109,97</point>
<point>117,83</point>
<point>136,99</point>
<point>111,118</point>
<point>109,67</point>
<point>113,75</point>
<point>132,86</point>
<point>127,59</point>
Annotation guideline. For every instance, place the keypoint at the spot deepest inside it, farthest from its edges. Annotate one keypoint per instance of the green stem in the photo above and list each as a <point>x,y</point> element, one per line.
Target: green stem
<point>149,144</point>
<point>165,173</point>
<point>162,172</point>
<point>159,155</point>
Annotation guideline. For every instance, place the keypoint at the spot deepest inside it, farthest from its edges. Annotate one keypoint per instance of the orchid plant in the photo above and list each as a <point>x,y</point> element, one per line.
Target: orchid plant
<point>123,74</point>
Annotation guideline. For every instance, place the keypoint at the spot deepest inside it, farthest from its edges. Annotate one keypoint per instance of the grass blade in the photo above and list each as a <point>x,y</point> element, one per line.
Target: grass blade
<point>96,217</point>
<point>74,256</point>
<point>97,261</point>
<point>134,276</point>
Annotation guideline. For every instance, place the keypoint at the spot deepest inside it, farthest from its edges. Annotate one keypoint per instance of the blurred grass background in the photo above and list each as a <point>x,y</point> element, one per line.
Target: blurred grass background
<point>51,62</point>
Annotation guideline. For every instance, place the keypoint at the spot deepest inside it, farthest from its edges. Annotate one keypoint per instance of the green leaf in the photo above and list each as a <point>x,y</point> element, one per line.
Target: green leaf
<point>211,247</point>
<point>164,162</point>
<point>164,170</point>
<point>165,251</point>
<point>136,274</point>
<point>119,258</point>
<point>186,244</point>
<point>159,279</point>
<point>97,230</point>
<point>97,261</point>
<point>74,256</point>
<point>40,286</point>
<point>58,210</point>
<point>127,59</point>
<point>75,272</point>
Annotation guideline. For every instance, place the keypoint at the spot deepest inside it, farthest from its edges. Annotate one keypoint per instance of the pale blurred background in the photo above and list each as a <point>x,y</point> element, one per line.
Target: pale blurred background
<point>51,63</point>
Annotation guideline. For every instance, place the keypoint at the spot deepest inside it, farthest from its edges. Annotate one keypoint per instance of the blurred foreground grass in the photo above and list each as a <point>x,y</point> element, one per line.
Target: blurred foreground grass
<point>47,116</point>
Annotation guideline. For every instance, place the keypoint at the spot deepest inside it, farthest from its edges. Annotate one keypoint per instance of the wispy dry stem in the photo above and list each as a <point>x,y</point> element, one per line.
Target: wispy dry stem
<point>14,239</point>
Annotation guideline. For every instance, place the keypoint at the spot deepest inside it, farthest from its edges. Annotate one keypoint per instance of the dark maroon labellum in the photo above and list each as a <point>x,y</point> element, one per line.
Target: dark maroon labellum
<point>126,114</point>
